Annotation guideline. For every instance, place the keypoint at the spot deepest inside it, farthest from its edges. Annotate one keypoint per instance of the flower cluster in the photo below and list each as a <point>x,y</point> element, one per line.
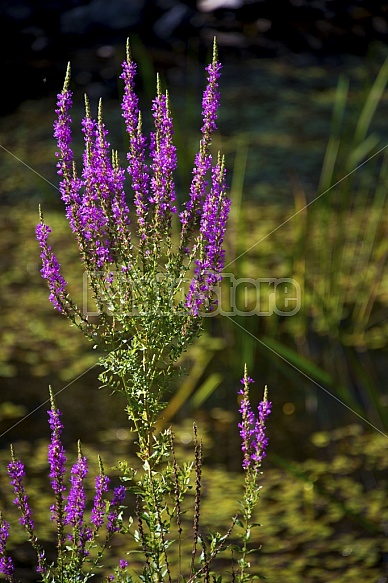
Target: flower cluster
<point>120,572</point>
<point>252,427</point>
<point>98,213</point>
<point>67,514</point>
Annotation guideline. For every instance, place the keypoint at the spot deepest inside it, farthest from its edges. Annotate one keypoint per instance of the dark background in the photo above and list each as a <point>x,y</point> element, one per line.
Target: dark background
<point>37,38</point>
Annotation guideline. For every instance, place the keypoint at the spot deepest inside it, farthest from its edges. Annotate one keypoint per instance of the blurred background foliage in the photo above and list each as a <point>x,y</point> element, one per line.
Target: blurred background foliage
<point>304,136</point>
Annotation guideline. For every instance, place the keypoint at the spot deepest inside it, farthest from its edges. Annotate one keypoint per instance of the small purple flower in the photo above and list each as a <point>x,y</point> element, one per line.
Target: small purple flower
<point>119,208</point>
<point>123,564</point>
<point>252,428</point>
<point>244,380</point>
<point>16,473</point>
<point>102,223</point>
<point>113,516</point>
<point>6,564</point>
<point>56,452</point>
<point>42,566</point>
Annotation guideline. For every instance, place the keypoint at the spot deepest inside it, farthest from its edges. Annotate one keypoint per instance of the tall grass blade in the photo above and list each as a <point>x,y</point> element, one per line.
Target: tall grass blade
<point>311,370</point>
<point>372,101</point>
<point>207,388</point>
<point>330,159</point>
<point>362,151</point>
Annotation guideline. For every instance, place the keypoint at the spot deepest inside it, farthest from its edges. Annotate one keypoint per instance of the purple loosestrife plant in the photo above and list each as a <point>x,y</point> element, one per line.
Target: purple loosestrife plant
<point>137,268</point>
<point>136,274</point>
<point>145,320</point>
<point>254,445</point>
<point>78,537</point>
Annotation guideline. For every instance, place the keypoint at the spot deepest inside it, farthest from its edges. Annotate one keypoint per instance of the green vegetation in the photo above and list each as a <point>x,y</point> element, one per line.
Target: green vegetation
<point>322,519</point>
<point>323,505</point>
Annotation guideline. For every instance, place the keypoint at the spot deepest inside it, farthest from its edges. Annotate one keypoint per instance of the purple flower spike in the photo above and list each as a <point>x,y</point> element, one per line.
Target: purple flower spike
<point>212,231</point>
<point>76,501</point>
<point>62,133</point>
<point>211,99</point>
<point>6,564</point>
<point>51,270</point>
<point>98,511</point>
<point>93,213</point>
<point>137,167</point>
<point>202,163</point>
<point>57,460</point>
<point>16,473</point>
<point>252,428</point>
<point>70,185</point>
<point>110,187</point>
<point>119,208</point>
<point>113,516</point>
<point>164,162</point>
